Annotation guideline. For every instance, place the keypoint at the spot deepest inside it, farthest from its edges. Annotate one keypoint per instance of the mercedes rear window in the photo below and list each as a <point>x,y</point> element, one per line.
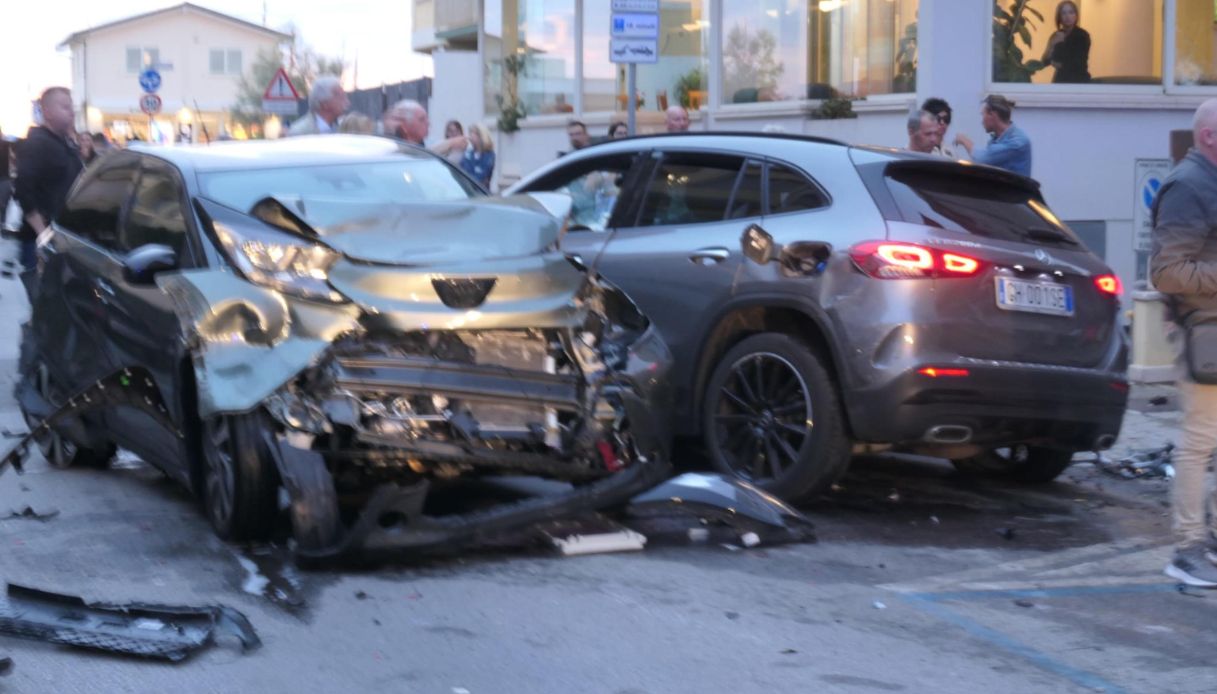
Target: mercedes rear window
<point>976,205</point>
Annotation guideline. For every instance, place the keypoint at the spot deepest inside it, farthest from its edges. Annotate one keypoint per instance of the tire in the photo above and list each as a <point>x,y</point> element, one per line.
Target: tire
<point>1022,463</point>
<point>58,450</point>
<point>755,414</point>
<point>240,483</point>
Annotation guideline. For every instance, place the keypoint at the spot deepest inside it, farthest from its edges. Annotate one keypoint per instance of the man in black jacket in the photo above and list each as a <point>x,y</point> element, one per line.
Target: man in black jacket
<point>47,165</point>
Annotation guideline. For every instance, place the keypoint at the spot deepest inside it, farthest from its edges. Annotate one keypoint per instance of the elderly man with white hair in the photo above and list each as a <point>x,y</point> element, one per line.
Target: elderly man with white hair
<point>407,120</point>
<point>327,101</point>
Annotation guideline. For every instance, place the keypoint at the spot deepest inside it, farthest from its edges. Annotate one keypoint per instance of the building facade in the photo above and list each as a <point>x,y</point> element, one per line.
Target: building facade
<point>200,54</point>
<point>785,64</point>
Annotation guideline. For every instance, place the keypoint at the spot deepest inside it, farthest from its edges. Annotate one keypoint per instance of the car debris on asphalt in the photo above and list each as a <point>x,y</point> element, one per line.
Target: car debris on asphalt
<point>1149,463</point>
<point>30,513</point>
<point>147,630</point>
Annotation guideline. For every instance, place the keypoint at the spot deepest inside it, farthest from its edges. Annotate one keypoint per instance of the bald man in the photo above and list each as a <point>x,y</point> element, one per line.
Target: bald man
<point>677,119</point>
<point>1183,265</point>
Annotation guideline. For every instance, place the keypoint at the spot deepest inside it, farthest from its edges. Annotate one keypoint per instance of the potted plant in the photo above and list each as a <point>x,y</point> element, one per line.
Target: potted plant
<point>1009,27</point>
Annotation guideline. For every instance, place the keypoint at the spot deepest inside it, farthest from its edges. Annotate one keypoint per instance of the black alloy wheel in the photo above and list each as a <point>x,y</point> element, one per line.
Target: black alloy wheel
<point>240,484</point>
<point>771,417</point>
<point>59,451</point>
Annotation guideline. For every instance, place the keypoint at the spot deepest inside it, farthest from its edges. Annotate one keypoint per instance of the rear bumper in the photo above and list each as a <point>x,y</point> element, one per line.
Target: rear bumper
<point>997,404</point>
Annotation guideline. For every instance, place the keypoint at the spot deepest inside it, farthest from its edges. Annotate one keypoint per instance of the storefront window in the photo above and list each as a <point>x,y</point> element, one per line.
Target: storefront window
<point>1196,42</point>
<point>1082,42</point>
<point>774,50</point>
<point>680,76</point>
<point>530,55</point>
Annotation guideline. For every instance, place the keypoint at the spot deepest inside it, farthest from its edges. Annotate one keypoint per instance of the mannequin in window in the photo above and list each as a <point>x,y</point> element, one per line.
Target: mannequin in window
<point>1069,48</point>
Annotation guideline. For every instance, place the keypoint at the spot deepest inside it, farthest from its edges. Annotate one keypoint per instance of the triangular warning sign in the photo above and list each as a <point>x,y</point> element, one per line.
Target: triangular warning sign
<point>280,88</point>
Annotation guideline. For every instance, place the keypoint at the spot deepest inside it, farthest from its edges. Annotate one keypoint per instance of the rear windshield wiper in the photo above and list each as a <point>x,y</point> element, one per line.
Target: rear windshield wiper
<point>1049,234</point>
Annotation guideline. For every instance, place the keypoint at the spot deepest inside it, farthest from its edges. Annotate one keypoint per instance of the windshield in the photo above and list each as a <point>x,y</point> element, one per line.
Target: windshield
<point>408,180</point>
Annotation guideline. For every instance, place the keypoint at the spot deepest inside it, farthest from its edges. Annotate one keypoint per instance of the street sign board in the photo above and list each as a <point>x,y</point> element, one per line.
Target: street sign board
<point>636,26</point>
<point>1150,173</point>
<point>634,31</point>
<point>280,88</point>
<point>651,6</point>
<point>150,104</point>
<point>150,80</point>
<point>280,96</point>
<point>634,51</point>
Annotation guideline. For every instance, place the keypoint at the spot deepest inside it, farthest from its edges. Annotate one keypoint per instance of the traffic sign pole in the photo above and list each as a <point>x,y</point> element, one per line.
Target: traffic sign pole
<point>632,85</point>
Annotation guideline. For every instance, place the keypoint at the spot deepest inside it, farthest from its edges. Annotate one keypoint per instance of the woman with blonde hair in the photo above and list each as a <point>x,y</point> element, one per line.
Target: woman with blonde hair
<point>357,124</point>
<point>1069,48</point>
<point>478,161</point>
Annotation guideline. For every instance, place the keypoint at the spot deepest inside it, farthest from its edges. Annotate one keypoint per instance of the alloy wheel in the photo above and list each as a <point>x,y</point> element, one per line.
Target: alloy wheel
<point>220,479</point>
<point>763,416</point>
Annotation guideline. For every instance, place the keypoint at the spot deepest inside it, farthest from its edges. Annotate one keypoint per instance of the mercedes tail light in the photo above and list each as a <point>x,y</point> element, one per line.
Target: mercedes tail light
<point>1109,284</point>
<point>900,261</point>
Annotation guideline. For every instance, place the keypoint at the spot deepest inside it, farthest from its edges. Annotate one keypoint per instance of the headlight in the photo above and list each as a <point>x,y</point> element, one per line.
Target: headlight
<point>280,261</point>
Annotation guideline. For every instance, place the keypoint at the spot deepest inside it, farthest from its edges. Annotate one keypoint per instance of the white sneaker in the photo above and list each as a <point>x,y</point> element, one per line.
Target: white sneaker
<point>1192,566</point>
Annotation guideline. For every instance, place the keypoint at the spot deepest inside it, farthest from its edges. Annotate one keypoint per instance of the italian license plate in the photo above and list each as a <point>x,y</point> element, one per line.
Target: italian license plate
<point>1034,297</point>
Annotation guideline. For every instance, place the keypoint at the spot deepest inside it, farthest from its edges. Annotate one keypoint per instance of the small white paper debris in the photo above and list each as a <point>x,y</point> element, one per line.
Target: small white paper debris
<point>750,539</point>
<point>459,690</point>
<point>879,605</point>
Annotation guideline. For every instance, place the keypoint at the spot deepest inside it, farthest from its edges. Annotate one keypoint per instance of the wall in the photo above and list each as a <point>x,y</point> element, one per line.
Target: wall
<point>182,38</point>
<point>457,98</point>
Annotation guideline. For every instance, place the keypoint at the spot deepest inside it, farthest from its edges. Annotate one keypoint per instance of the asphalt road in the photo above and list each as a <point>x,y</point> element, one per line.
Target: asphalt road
<point>922,581</point>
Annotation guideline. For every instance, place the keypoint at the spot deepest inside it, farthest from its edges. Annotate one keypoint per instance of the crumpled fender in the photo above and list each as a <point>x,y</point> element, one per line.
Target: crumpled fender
<point>248,341</point>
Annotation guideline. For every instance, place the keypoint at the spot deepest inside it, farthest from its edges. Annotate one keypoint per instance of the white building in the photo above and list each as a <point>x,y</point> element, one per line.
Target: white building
<point>199,53</point>
<point>747,64</point>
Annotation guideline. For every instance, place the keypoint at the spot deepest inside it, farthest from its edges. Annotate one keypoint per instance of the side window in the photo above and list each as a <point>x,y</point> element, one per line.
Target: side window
<point>594,187</point>
<point>94,208</point>
<point>690,189</point>
<point>791,191</point>
<point>748,200</point>
<point>156,213</point>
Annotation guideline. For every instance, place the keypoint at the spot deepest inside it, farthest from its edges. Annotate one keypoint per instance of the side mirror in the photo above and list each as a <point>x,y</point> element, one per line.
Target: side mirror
<point>806,257</point>
<point>758,245</point>
<point>142,264</point>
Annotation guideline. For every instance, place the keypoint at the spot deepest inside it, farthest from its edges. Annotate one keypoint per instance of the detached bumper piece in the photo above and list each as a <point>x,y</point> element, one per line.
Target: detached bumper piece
<point>150,631</point>
<point>133,387</point>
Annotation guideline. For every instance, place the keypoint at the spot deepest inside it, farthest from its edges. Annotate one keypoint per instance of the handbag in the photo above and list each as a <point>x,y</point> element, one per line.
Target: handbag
<point>1200,349</point>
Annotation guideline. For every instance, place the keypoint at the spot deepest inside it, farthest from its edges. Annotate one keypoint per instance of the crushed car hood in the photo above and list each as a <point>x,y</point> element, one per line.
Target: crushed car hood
<point>420,234</point>
<point>250,339</point>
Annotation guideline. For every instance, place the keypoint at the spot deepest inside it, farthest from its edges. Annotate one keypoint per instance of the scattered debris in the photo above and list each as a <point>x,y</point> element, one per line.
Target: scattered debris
<point>1159,400</point>
<point>360,595</point>
<point>732,615</point>
<point>1155,462</point>
<point>459,690</point>
<point>750,539</point>
<point>789,651</point>
<point>270,573</point>
<point>30,513</point>
<point>1006,533</point>
<point>879,605</point>
<point>935,521</point>
<point>894,496</point>
<point>591,534</point>
<point>151,631</point>
<point>6,665</point>
<point>1024,603</point>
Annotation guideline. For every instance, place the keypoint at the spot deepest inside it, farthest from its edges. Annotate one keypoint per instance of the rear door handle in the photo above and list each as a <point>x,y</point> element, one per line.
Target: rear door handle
<point>709,256</point>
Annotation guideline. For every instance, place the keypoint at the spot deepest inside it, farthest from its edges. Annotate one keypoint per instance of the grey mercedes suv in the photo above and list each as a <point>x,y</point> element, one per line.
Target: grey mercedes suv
<point>820,298</point>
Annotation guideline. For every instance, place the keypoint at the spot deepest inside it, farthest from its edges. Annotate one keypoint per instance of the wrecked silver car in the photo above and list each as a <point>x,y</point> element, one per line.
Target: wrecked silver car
<point>342,328</point>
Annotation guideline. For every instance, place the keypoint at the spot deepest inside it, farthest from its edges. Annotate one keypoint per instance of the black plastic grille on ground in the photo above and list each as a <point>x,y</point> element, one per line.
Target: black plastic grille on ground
<point>151,631</point>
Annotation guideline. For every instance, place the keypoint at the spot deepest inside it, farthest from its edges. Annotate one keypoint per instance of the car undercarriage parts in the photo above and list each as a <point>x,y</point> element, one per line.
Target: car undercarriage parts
<point>151,631</point>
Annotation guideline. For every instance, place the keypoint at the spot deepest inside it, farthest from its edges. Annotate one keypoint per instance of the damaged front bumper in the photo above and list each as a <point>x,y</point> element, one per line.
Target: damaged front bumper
<point>369,416</point>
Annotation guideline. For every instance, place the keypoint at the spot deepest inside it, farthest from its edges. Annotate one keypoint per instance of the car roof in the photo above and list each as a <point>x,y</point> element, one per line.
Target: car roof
<point>305,150</point>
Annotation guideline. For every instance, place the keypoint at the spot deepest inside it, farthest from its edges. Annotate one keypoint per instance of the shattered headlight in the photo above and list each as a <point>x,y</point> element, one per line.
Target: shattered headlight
<point>280,261</point>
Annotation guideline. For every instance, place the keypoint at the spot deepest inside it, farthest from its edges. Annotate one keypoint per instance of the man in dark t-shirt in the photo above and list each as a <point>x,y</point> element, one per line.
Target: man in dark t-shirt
<point>47,165</point>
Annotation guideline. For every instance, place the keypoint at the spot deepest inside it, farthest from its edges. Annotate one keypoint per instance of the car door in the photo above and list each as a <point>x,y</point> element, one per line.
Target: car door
<point>68,311</point>
<point>141,328</point>
<point>599,188</point>
<point>678,252</point>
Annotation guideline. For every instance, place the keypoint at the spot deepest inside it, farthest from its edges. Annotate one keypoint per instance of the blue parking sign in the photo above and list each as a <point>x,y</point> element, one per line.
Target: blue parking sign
<point>150,80</point>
